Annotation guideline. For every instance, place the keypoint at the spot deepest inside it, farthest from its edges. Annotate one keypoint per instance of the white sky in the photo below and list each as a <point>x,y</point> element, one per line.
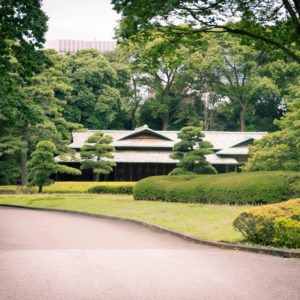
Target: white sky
<point>80,19</point>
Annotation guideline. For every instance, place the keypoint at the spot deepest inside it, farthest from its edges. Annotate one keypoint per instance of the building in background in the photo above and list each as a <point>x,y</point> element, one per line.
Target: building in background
<point>64,46</point>
<point>145,152</point>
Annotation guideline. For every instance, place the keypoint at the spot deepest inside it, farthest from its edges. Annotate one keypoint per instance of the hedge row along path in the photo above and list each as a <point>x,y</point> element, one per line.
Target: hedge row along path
<point>52,255</point>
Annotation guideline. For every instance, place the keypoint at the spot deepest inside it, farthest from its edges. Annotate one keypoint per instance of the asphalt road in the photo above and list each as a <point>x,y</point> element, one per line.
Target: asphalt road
<point>49,255</point>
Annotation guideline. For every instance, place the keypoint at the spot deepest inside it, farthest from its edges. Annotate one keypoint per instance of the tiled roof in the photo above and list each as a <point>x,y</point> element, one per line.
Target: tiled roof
<point>157,147</point>
<point>219,139</point>
<point>234,151</point>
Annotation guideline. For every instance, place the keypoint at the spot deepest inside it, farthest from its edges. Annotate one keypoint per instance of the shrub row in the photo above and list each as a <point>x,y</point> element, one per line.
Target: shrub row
<point>63,187</point>
<point>275,224</point>
<point>106,189</point>
<point>239,188</point>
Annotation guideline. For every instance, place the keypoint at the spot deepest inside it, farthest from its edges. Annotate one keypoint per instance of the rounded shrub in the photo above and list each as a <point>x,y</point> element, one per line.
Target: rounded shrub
<point>231,188</point>
<point>180,171</point>
<point>275,224</point>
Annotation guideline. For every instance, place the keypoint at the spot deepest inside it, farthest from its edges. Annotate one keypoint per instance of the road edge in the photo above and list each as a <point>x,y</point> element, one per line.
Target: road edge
<point>232,246</point>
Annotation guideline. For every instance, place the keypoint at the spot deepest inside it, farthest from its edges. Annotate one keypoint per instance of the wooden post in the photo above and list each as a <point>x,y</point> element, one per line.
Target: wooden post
<point>164,169</point>
<point>130,171</point>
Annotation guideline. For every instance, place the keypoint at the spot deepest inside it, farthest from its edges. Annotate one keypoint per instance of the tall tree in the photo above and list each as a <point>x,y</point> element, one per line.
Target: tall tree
<point>33,112</point>
<point>239,77</point>
<point>95,154</point>
<point>274,23</point>
<point>47,93</point>
<point>280,150</point>
<point>95,98</point>
<point>161,64</point>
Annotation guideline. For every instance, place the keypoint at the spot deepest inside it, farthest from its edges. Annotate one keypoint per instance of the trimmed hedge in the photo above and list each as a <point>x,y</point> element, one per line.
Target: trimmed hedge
<point>62,187</point>
<point>8,189</point>
<point>276,224</point>
<point>117,189</point>
<point>231,188</point>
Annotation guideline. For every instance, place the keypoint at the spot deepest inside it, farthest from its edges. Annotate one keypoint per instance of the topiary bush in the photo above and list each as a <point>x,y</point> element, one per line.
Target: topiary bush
<point>180,171</point>
<point>106,189</point>
<point>276,224</point>
<point>231,188</point>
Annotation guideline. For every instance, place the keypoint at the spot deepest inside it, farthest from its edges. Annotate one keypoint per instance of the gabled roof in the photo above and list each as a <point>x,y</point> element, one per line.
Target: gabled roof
<point>234,151</point>
<point>144,130</point>
<point>166,139</point>
<point>244,142</point>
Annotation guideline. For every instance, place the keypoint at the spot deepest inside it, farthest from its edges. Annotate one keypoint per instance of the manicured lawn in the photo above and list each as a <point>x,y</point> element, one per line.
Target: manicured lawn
<point>211,222</point>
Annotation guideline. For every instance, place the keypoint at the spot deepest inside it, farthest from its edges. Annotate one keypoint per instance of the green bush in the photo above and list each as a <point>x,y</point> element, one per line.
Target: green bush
<point>240,188</point>
<point>276,224</point>
<point>62,187</point>
<point>180,171</point>
<point>8,189</point>
<point>104,189</point>
<point>287,232</point>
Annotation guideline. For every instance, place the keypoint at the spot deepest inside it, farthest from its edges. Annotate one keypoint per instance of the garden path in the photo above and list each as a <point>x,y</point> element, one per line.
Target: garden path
<point>52,255</point>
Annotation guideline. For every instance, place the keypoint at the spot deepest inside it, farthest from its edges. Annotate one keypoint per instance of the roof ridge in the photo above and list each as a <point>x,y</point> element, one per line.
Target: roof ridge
<point>175,131</point>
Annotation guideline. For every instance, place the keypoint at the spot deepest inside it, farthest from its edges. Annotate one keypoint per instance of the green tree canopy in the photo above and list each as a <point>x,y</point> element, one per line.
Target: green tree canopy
<point>163,68</point>
<point>23,25</point>
<point>42,165</point>
<point>273,23</point>
<point>95,154</point>
<point>191,151</point>
<point>280,150</point>
<point>95,99</point>
<point>33,112</point>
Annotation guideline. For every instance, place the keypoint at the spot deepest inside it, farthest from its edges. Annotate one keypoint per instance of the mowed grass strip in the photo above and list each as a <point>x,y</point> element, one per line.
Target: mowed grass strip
<point>67,187</point>
<point>205,221</point>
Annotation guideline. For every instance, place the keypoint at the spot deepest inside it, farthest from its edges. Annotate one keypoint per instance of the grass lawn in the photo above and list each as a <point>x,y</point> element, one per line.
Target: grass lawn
<point>68,186</point>
<point>210,222</point>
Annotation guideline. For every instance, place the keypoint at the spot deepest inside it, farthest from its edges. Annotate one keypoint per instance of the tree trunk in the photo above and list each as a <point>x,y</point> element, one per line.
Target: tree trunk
<point>24,154</point>
<point>165,123</point>
<point>40,189</point>
<point>243,117</point>
<point>133,119</point>
<point>97,177</point>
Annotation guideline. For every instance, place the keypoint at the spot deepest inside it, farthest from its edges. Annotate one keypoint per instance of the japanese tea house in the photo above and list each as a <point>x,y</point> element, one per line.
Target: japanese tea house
<point>145,152</point>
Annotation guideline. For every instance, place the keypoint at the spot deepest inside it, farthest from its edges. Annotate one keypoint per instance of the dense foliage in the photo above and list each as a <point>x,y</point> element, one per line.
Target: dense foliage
<point>42,165</point>
<point>216,80</point>
<point>95,154</point>
<point>191,151</point>
<point>276,224</point>
<point>271,23</point>
<point>280,150</point>
<point>40,118</point>
<point>111,189</point>
<point>166,75</point>
<point>23,24</point>
<point>96,98</point>
<point>242,188</point>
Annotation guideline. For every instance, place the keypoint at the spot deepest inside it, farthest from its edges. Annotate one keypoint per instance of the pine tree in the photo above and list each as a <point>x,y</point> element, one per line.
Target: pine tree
<point>93,154</point>
<point>191,151</point>
<point>42,165</point>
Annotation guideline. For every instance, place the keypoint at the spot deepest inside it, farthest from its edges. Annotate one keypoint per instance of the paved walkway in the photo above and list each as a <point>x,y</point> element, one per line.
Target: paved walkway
<point>49,255</point>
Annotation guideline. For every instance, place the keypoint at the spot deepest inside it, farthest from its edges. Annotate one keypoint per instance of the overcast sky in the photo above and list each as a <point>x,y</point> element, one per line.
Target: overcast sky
<point>80,19</point>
